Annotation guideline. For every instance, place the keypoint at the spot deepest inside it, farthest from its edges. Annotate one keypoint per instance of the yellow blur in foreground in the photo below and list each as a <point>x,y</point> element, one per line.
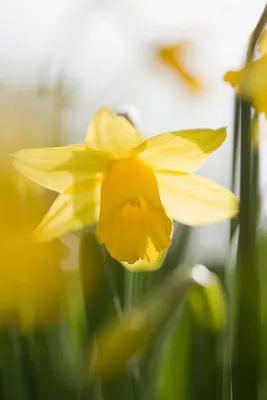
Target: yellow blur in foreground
<point>174,58</point>
<point>30,280</point>
<point>131,186</point>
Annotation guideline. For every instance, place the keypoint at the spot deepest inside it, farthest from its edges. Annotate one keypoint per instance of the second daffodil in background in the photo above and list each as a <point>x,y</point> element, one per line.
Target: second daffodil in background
<point>132,187</point>
<point>250,81</point>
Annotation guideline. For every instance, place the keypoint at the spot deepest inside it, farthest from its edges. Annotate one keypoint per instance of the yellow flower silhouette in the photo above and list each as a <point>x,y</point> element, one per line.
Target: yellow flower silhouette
<point>251,83</point>
<point>30,277</point>
<point>130,185</point>
<point>173,57</point>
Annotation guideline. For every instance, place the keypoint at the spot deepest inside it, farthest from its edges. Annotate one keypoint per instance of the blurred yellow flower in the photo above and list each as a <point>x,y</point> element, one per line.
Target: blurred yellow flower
<point>251,83</point>
<point>33,289</point>
<point>174,58</point>
<point>30,279</point>
<point>130,185</point>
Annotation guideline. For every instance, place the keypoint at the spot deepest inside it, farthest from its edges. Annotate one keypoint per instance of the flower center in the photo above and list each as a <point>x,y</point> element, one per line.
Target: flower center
<point>132,222</point>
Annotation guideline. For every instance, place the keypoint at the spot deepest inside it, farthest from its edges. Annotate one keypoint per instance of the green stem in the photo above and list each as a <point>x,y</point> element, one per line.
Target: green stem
<point>12,372</point>
<point>236,142</point>
<point>255,178</point>
<point>246,347</point>
<point>132,287</point>
<point>246,352</point>
<point>256,33</point>
<point>234,222</point>
<point>206,374</point>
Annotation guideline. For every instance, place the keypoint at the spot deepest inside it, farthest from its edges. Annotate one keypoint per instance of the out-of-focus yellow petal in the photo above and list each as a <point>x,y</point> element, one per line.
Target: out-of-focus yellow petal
<point>69,213</point>
<point>194,200</point>
<point>30,274</point>
<point>262,43</point>
<point>58,168</point>
<point>112,134</point>
<point>251,83</point>
<point>132,221</point>
<point>30,279</point>
<point>174,58</point>
<point>182,150</point>
<point>233,77</point>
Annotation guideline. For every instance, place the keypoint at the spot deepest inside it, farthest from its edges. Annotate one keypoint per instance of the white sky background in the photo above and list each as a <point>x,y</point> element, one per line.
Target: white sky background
<point>104,50</point>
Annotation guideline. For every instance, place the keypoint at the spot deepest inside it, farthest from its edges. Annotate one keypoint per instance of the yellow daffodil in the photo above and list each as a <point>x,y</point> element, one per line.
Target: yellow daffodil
<point>173,57</point>
<point>251,83</point>
<point>131,186</point>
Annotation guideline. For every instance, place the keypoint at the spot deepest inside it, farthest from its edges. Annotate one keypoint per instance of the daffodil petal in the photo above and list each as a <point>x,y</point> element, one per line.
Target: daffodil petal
<point>82,186</point>
<point>182,150</point>
<point>251,83</point>
<point>58,168</point>
<point>233,77</point>
<point>143,265</point>
<point>262,44</point>
<point>69,213</point>
<point>194,200</point>
<point>112,134</point>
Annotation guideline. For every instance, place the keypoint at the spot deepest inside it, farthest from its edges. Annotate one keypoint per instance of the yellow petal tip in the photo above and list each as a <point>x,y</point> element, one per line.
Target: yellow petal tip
<point>232,77</point>
<point>223,132</point>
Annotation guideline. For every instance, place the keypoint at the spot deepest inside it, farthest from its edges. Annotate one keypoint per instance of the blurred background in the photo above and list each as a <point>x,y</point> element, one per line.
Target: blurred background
<point>61,61</point>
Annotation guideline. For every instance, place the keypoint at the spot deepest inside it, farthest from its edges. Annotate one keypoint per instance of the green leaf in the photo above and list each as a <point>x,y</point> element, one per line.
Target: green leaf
<point>174,371</point>
<point>207,303</point>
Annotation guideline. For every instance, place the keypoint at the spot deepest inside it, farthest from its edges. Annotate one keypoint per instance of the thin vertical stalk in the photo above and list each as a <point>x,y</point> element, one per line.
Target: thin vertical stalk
<point>236,142</point>
<point>255,176</point>
<point>236,147</point>
<point>246,351</point>
<point>246,347</point>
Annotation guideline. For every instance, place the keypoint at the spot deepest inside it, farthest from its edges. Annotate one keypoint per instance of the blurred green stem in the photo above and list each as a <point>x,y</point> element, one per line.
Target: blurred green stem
<point>233,223</point>
<point>236,142</point>
<point>13,376</point>
<point>246,347</point>
<point>131,288</point>
<point>255,174</point>
<point>205,364</point>
<point>246,357</point>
